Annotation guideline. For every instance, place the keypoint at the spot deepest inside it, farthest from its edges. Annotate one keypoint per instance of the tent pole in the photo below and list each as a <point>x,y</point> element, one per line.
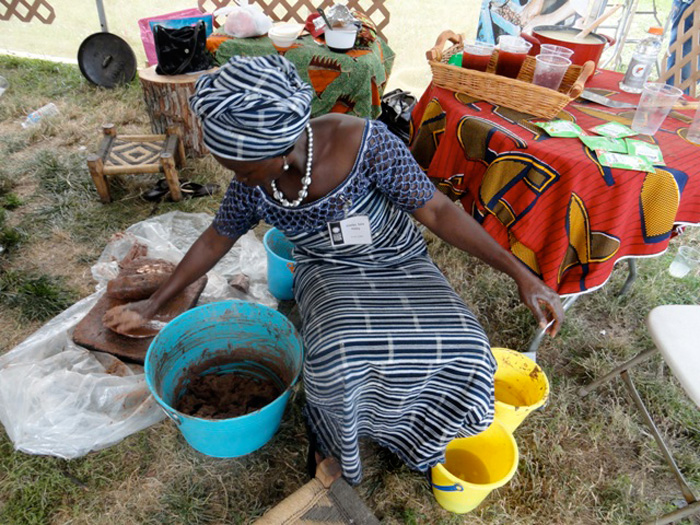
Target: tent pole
<point>101,15</point>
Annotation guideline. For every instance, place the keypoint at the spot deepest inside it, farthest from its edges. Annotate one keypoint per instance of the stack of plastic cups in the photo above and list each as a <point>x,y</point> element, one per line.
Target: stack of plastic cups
<point>551,65</point>
<point>476,465</point>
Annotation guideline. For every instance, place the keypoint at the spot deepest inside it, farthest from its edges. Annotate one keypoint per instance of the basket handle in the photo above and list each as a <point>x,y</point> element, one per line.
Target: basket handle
<point>587,71</point>
<point>435,53</point>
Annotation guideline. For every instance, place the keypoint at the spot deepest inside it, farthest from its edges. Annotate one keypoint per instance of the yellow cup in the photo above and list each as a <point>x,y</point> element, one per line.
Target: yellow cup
<point>474,466</point>
<point>521,387</point>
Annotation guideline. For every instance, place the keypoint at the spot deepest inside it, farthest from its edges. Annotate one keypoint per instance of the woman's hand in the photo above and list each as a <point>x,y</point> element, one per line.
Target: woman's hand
<point>126,318</point>
<point>543,302</point>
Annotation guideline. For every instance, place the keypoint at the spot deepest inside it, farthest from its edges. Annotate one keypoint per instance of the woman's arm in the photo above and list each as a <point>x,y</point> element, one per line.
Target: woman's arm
<point>204,253</point>
<point>461,230</point>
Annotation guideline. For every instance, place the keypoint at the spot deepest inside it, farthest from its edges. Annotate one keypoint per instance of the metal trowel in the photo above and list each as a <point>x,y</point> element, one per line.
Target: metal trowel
<point>587,94</point>
<point>604,101</point>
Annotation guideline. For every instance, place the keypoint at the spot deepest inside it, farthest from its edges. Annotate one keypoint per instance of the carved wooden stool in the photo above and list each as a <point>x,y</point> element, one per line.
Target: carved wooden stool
<point>137,154</point>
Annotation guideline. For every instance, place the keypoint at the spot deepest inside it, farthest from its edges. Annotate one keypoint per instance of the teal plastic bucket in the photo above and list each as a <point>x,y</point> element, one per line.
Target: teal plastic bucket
<point>280,264</point>
<point>259,340</point>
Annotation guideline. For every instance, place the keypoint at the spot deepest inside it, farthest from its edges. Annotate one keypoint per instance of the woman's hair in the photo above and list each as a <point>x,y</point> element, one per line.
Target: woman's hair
<point>252,108</point>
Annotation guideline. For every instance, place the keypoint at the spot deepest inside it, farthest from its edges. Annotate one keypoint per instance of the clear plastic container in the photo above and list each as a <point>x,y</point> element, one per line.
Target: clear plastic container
<point>49,110</point>
<point>642,62</point>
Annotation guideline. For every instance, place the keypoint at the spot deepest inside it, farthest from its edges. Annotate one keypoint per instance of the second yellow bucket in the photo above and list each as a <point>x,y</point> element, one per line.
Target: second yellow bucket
<point>474,466</point>
<point>521,387</point>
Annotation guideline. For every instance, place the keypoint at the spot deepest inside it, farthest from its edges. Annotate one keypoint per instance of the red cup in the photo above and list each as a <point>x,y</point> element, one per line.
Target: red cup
<point>477,56</point>
<point>509,64</point>
<point>511,55</point>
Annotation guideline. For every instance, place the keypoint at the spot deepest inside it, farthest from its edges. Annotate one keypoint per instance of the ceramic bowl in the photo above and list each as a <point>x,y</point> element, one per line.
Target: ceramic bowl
<point>284,35</point>
<point>342,38</point>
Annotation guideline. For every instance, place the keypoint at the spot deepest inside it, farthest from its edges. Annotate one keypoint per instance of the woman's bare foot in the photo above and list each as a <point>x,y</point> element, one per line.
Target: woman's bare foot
<point>328,470</point>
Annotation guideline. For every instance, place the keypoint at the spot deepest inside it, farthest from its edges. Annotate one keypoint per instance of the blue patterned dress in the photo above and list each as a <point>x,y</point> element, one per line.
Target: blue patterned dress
<point>392,352</point>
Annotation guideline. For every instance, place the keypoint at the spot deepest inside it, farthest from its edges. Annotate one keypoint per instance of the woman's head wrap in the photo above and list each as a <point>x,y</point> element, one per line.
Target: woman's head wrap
<point>252,108</point>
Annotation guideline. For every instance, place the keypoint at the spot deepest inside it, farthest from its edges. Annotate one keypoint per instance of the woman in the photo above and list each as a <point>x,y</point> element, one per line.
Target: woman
<point>391,351</point>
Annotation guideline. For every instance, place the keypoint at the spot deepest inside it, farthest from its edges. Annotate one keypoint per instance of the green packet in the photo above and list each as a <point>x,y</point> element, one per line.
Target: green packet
<point>560,128</point>
<point>605,144</point>
<point>644,149</point>
<point>626,162</point>
<point>614,130</point>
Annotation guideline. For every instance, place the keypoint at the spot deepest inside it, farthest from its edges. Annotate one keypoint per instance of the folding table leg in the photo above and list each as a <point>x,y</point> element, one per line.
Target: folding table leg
<point>643,356</point>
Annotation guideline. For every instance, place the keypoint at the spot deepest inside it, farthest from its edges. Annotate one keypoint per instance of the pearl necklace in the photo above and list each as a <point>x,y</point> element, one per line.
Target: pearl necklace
<point>305,180</point>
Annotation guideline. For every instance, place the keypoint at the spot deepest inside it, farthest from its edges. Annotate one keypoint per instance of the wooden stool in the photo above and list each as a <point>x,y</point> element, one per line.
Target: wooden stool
<point>137,154</point>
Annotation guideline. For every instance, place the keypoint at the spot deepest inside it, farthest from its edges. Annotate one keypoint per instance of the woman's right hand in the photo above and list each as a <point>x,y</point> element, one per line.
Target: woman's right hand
<point>126,318</point>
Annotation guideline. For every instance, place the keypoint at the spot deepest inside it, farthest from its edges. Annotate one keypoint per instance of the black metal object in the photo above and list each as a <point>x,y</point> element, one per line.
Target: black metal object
<point>106,60</point>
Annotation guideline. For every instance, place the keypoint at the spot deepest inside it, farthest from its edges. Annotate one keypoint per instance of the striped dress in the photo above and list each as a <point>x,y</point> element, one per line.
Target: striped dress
<point>392,353</point>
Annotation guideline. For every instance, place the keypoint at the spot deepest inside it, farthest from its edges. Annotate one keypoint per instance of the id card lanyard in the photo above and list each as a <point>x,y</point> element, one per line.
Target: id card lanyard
<point>351,230</point>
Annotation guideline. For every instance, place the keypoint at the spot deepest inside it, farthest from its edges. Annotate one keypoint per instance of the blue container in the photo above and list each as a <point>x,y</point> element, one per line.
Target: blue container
<point>280,264</point>
<point>253,339</point>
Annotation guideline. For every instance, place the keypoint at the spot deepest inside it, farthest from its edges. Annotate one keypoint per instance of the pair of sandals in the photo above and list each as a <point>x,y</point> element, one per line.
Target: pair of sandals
<point>188,189</point>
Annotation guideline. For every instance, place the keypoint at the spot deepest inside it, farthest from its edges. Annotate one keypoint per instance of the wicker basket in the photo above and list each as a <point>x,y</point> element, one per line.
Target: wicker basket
<point>519,94</point>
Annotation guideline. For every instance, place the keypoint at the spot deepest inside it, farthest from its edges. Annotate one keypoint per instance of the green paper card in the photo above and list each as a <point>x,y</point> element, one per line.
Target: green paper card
<point>560,128</point>
<point>644,149</point>
<point>626,162</point>
<point>605,144</point>
<point>614,130</point>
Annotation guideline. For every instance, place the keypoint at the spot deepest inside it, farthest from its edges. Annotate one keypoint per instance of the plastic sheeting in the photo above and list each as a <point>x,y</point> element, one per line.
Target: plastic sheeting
<point>60,399</point>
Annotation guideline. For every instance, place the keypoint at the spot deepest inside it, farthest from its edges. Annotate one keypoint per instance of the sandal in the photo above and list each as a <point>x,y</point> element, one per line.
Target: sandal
<point>193,189</point>
<point>159,190</point>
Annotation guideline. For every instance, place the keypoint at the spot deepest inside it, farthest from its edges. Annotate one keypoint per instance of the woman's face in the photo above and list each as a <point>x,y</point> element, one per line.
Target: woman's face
<point>253,173</point>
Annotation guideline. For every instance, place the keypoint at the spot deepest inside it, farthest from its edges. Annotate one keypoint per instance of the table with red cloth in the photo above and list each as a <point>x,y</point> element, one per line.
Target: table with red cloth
<point>548,200</point>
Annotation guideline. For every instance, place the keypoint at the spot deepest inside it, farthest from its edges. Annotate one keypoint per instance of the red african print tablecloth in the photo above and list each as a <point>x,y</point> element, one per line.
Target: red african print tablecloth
<point>548,200</point>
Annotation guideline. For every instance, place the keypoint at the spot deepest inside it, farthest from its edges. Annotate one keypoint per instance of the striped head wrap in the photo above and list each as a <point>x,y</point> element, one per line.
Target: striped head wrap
<point>252,108</point>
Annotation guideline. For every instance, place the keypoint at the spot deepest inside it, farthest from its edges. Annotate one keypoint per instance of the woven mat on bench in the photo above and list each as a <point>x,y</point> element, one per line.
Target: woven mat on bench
<point>314,504</point>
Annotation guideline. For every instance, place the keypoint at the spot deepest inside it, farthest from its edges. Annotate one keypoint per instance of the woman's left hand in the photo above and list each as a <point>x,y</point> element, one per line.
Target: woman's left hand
<point>543,302</point>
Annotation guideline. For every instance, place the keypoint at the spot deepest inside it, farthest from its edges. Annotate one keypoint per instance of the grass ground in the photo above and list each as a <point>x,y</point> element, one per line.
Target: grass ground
<point>582,461</point>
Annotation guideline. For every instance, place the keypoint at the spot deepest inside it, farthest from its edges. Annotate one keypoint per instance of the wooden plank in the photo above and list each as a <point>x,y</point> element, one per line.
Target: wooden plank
<point>92,334</point>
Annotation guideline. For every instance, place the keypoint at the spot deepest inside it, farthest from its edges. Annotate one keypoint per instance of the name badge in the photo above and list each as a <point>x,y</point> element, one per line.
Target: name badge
<point>353,230</point>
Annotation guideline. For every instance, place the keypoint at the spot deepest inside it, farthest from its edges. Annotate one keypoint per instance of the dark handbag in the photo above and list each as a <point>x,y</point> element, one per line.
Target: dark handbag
<point>397,106</point>
<point>181,50</point>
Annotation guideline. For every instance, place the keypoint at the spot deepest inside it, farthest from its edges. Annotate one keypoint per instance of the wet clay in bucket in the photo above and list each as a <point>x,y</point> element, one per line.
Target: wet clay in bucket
<point>228,337</point>
<point>474,466</point>
<point>223,388</point>
<point>521,387</point>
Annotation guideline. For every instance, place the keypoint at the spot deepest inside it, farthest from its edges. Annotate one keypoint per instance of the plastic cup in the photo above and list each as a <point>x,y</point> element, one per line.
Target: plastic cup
<point>694,129</point>
<point>654,105</point>
<point>477,55</point>
<point>687,259</point>
<point>551,49</point>
<point>512,51</point>
<point>4,84</point>
<point>550,70</point>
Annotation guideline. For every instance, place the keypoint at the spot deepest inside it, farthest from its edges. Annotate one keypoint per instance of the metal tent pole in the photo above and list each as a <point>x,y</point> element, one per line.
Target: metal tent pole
<point>101,15</point>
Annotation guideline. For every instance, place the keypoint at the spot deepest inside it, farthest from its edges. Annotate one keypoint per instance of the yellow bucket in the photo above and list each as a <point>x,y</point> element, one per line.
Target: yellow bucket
<point>521,387</point>
<point>474,466</point>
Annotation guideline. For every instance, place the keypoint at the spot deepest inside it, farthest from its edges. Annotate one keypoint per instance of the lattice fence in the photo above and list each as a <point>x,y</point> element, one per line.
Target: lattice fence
<point>686,50</point>
<point>297,10</point>
<point>27,10</point>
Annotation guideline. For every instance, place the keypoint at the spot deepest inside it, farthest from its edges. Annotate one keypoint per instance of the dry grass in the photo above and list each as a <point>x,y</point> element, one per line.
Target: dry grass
<point>582,460</point>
